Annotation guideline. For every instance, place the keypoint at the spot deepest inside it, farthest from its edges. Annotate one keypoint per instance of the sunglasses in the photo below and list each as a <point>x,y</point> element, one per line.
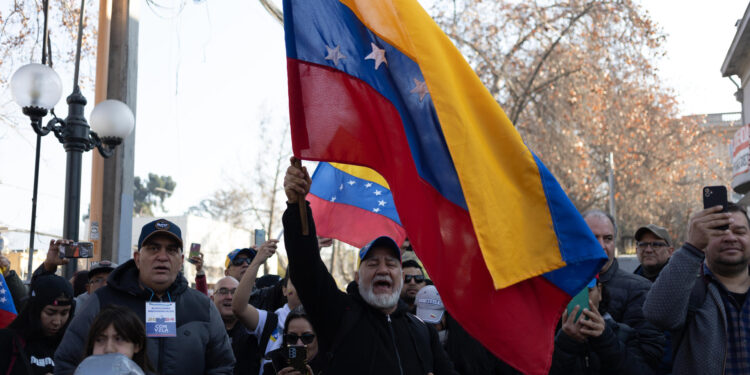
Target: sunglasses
<point>307,338</point>
<point>239,261</point>
<point>417,279</point>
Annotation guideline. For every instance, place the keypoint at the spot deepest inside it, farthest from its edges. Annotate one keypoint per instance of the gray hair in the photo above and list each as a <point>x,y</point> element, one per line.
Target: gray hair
<point>601,214</point>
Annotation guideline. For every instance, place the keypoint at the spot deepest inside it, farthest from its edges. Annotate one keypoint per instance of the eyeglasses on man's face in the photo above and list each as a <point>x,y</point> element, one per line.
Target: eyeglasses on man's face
<point>417,279</point>
<point>226,291</point>
<point>656,245</point>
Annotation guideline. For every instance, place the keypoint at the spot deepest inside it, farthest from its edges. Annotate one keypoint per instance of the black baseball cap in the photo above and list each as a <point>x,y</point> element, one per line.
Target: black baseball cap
<point>160,226</point>
<point>103,266</point>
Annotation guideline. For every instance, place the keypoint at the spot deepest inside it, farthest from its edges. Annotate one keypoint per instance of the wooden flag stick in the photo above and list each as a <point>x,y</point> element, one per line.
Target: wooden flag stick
<point>302,204</point>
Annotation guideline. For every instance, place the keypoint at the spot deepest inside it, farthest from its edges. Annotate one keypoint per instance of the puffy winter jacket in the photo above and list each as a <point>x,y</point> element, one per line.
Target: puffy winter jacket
<point>627,292</point>
<point>201,346</point>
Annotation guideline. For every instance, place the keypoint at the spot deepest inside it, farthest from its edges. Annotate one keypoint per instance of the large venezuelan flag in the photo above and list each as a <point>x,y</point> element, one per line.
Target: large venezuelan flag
<point>353,204</point>
<point>376,83</point>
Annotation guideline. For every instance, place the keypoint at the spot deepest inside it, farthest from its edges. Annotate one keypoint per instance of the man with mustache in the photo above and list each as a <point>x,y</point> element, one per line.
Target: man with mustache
<point>366,330</point>
<point>149,284</point>
<point>701,295</point>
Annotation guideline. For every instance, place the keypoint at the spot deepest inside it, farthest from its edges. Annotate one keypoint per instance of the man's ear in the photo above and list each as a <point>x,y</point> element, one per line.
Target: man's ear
<point>671,250</point>
<point>356,276</point>
<point>136,258</point>
<point>226,272</point>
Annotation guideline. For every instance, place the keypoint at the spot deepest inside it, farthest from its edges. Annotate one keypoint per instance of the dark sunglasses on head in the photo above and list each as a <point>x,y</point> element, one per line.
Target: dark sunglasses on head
<point>291,338</point>
<point>239,261</point>
<point>417,279</point>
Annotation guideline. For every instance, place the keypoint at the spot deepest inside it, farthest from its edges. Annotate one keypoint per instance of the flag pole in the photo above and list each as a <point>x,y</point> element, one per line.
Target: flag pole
<point>302,204</point>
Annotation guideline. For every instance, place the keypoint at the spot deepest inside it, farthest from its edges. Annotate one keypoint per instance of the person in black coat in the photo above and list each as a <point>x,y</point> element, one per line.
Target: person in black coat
<point>597,344</point>
<point>368,330</point>
<point>28,345</point>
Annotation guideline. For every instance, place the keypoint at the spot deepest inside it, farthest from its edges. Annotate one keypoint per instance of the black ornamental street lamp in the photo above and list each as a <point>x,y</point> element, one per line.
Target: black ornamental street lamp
<point>37,88</point>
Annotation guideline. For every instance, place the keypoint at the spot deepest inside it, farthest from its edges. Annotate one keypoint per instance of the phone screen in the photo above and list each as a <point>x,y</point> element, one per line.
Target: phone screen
<point>260,236</point>
<point>195,251</point>
<point>581,299</point>
<point>77,250</point>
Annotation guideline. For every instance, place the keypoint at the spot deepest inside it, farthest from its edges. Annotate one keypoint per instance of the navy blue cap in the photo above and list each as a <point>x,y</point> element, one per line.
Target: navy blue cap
<point>163,226</point>
<point>382,241</point>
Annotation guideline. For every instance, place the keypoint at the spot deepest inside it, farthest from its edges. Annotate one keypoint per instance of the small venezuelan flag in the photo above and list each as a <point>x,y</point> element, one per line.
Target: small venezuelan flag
<point>376,83</point>
<point>7,307</point>
<point>353,204</point>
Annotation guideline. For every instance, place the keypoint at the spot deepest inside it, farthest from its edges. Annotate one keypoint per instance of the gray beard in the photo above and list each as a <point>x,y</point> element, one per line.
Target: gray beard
<point>383,301</point>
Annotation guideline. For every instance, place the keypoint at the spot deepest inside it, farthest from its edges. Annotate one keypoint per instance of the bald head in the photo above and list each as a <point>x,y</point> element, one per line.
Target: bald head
<point>223,292</point>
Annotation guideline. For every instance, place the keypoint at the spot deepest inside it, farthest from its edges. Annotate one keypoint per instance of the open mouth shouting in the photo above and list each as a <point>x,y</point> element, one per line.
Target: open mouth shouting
<point>382,284</point>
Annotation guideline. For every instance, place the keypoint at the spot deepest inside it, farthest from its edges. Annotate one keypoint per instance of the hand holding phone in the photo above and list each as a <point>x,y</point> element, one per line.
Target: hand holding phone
<point>581,299</point>
<point>195,252</point>
<point>297,356</point>
<point>715,196</point>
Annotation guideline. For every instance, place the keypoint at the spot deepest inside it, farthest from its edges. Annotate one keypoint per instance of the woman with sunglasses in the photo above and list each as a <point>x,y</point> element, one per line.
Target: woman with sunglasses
<point>299,331</point>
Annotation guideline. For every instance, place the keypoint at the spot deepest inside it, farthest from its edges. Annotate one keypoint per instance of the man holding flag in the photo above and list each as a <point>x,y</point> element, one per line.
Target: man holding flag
<point>376,83</point>
<point>367,330</point>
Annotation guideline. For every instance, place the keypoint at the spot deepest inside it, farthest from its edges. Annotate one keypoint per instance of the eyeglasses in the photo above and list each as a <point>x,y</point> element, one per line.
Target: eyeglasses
<point>417,278</point>
<point>654,245</point>
<point>307,338</point>
<point>225,291</point>
<point>239,261</point>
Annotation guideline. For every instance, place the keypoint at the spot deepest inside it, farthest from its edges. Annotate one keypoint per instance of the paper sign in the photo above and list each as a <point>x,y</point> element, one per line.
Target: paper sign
<point>161,319</point>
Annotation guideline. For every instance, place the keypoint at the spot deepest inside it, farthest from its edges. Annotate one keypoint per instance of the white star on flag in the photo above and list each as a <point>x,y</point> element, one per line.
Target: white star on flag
<point>420,88</point>
<point>381,203</point>
<point>341,187</point>
<point>377,192</point>
<point>2,299</point>
<point>2,290</point>
<point>334,54</point>
<point>351,182</point>
<point>367,185</point>
<point>333,199</point>
<point>375,209</point>
<point>377,54</point>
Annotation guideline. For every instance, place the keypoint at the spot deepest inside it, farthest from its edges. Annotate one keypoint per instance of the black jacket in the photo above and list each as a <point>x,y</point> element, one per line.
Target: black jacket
<point>201,346</point>
<point>359,338</point>
<point>627,292</point>
<point>616,352</point>
<point>18,356</point>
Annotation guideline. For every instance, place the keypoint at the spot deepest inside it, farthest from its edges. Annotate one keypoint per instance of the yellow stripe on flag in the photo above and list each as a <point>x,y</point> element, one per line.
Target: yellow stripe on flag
<point>363,173</point>
<point>499,177</point>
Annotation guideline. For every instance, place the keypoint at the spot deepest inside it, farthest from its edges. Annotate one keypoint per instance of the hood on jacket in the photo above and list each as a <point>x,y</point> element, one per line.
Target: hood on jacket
<point>125,279</point>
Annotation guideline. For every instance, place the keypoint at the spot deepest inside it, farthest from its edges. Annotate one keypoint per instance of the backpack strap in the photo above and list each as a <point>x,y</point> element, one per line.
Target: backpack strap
<point>272,322</point>
<point>18,352</point>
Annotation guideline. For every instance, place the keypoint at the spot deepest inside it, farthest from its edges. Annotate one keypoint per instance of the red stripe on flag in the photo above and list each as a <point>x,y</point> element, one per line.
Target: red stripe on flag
<point>351,224</point>
<point>6,317</point>
<point>336,117</point>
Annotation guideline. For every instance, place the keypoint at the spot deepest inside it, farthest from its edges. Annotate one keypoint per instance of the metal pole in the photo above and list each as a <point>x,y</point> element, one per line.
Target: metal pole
<point>75,138</point>
<point>32,230</point>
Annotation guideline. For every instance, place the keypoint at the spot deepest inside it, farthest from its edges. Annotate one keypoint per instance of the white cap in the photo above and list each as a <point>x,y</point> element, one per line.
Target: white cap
<point>430,307</point>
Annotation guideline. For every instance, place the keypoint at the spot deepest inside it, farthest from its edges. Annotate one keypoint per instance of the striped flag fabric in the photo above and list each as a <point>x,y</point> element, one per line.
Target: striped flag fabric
<point>376,83</point>
<point>353,204</point>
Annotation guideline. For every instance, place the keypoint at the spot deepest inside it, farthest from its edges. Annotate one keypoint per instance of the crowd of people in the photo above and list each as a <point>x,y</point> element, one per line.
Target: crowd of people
<point>682,311</point>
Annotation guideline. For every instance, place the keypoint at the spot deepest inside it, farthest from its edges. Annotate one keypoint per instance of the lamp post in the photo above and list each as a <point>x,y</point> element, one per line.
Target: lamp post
<point>36,88</point>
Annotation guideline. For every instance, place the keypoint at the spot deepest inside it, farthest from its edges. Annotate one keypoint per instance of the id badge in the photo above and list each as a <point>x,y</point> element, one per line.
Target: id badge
<point>161,319</point>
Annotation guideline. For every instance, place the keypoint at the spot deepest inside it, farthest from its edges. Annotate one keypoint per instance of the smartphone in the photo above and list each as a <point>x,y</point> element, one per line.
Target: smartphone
<point>581,299</point>
<point>77,250</point>
<point>195,251</point>
<point>260,237</point>
<point>278,359</point>
<point>297,357</point>
<point>715,196</point>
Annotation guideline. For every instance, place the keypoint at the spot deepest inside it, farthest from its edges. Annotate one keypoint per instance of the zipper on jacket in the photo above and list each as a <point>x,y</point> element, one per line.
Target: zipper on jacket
<point>395,347</point>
